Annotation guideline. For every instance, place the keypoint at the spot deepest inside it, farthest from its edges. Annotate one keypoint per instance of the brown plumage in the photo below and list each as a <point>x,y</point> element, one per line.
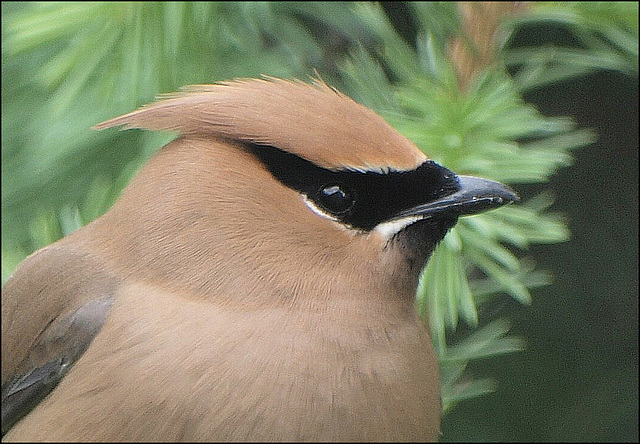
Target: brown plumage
<point>238,292</point>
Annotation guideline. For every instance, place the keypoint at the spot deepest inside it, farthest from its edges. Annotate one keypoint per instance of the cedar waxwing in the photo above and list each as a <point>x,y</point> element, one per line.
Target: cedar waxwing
<point>255,282</point>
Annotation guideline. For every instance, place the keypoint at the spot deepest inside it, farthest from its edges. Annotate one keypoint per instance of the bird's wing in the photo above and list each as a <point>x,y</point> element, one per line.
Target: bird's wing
<point>52,308</point>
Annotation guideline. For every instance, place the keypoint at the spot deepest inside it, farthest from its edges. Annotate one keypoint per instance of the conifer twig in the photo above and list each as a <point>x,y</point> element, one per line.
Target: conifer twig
<point>476,46</point>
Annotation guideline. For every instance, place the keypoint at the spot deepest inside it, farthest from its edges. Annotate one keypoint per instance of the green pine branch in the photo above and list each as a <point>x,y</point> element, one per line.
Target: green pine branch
<point>606,36</point>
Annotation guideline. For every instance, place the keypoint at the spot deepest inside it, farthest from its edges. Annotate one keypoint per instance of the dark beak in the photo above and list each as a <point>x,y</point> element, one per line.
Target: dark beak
<point>474,196</point>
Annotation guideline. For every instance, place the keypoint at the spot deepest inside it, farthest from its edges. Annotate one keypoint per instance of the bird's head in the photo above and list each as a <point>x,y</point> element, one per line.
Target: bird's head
<point>300,171</point>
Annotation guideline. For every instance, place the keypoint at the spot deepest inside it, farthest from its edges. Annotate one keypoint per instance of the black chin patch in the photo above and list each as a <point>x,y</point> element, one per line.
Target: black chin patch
<point>418,240</point>
<point>360,199</point>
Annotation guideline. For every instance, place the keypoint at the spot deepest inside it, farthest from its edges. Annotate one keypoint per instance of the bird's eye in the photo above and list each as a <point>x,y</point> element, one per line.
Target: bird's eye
<point>336,198</point>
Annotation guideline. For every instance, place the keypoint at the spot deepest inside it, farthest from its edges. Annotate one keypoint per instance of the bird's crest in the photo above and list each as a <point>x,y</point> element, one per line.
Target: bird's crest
<point>312,121</point>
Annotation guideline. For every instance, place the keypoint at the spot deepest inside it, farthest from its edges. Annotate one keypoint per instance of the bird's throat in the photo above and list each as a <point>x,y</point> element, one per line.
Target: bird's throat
<point>417,241</point>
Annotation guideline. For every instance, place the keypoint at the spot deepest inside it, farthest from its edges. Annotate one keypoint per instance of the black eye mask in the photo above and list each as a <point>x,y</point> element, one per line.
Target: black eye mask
<point>360,199</point>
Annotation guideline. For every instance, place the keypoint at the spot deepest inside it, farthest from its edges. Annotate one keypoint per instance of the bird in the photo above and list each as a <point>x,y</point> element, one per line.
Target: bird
<point>255,281</point>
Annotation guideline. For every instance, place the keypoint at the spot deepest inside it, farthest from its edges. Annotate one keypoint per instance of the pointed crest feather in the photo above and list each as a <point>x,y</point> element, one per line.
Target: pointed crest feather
<point>313,121</point>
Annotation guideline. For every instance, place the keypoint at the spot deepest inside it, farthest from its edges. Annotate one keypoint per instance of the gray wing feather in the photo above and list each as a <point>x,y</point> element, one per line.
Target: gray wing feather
<point>69,337</point>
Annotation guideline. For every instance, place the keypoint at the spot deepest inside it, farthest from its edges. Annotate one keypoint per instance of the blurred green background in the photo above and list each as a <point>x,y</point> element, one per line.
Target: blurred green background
<point>68,66</point>
<point>577,379</point>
